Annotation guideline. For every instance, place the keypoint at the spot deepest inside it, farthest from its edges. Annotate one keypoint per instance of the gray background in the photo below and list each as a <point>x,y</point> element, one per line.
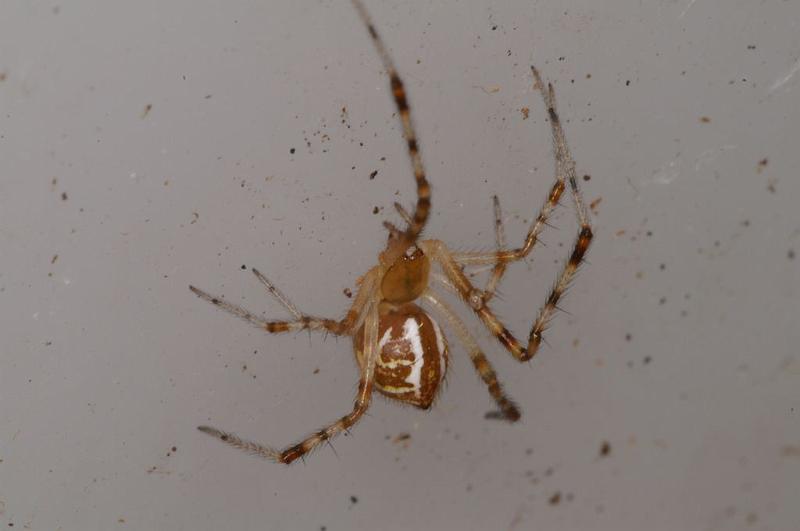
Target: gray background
<point>679,349</point>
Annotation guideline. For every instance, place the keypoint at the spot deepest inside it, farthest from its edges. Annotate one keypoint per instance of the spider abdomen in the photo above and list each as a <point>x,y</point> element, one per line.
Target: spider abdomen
<point>413,355</point>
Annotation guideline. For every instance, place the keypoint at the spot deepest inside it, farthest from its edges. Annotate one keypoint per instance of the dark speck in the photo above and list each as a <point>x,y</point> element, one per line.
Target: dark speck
<point>373,174</point>
<point>555,499</point>
<point>628,337</point>
<point>64,196</point>
<point>605,449</point>
<point>790,254</point>
<point>353,500</point>
<point>291,151</point>
<point>243,267</point>
<point>646,360</point>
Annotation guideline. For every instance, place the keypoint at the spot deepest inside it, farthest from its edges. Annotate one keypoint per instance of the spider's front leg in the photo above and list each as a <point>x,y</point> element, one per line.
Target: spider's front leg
<point>477,299</point>
<point>301,321</point>
<point>362,402</point>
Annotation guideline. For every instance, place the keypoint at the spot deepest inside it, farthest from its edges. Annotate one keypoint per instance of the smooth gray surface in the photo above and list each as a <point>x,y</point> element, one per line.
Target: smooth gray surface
<point>680,347</point>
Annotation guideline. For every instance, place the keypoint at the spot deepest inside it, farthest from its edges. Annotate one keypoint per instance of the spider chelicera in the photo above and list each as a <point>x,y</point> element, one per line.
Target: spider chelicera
<point>400,349</point>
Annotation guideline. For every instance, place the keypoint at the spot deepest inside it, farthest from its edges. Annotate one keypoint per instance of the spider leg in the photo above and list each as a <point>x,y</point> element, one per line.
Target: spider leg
<point>279,296</point>
<point>508,409</point>
<point>565,173</point>
<point>500,242</point>
<point>565,167</point>
<point>452,263</point>
<point>362,402</point>
<point>403,213</point>
<point>475,297</point>
<point>423,206</point>
<point>301,321</point>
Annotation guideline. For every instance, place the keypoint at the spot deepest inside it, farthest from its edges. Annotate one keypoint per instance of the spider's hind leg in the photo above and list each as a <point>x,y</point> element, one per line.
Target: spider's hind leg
<point>508,410</point>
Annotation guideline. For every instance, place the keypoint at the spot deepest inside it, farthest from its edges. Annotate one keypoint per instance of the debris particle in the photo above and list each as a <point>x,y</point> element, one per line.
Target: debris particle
<point>790,451</point>
<point>402,439</point>
<point>147,109</point>
<point>373,174</point>
<point>593,205</point>
<point>525,112</point>
<point>347,292</point>
<point>587,177</point>
<point>353,500</point>
<point>491,89</point>
<point>705,120</point>
<point>605,449</point>
<point>790,254</point>
<point>64,196</point>
<point>53,260</point>
<point>555,498</point>
<point>291,151</point>
<point>762,164</point>
<point>771,182</point>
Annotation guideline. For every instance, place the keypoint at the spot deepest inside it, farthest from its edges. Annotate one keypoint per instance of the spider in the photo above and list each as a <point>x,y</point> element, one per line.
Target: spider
<point>400,349</point>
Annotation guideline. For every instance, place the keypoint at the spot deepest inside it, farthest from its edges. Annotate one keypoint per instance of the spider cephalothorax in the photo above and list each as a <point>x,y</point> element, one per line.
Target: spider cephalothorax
<point>400,349</point>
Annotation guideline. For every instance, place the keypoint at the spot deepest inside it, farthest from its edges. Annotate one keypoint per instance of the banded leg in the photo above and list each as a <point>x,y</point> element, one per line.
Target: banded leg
<point>422,209</point>
<point>437,251</point>
<point>301,321</point>
<point>500,241</point>
<point>565,167</point>
<point>508,409</point>
<point>565,172</point>
<point>362,402</point>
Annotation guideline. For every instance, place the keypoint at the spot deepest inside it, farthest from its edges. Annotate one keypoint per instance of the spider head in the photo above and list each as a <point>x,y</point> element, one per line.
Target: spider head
<point>407,277</point>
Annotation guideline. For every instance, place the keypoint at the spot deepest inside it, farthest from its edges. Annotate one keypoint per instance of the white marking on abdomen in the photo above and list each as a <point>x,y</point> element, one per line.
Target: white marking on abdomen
<point>441,344</point>
<point>411,333</point>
